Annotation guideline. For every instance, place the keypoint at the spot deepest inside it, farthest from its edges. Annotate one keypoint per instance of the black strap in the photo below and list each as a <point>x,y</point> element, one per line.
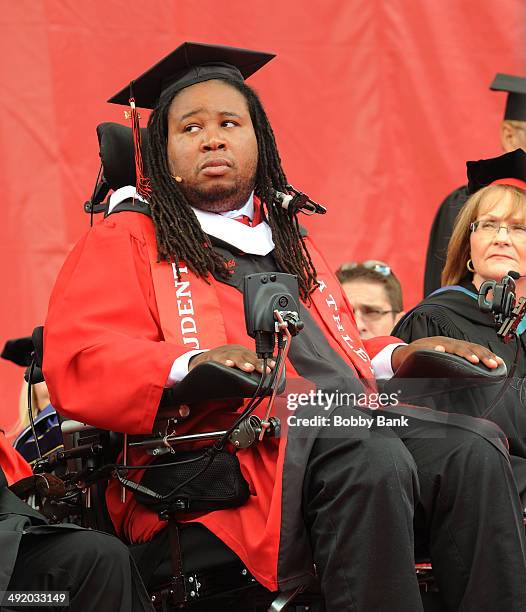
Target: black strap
<point>131,205</point>
<point>178,582</point>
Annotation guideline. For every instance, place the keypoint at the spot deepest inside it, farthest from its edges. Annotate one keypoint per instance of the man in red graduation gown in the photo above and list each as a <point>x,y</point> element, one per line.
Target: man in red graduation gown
<point>141,300</point>
<point>94,568</point>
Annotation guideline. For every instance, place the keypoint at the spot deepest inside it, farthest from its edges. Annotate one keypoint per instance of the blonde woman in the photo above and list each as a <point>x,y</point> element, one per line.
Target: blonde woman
<point>488,241</point>
<point>47,426</point>
<point>46,423</point>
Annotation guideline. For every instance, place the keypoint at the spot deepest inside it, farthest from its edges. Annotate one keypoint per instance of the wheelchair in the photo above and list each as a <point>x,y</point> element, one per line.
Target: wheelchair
<point>201,573</point>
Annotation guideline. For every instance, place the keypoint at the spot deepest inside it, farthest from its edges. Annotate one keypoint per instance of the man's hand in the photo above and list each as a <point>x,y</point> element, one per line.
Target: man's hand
<point>469,350</point>
<point>233,356</point>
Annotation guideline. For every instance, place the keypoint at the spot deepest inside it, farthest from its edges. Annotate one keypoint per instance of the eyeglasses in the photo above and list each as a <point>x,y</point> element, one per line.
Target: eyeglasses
<point>372,314</point>
<point>516,231</point>
<point>371,264</point>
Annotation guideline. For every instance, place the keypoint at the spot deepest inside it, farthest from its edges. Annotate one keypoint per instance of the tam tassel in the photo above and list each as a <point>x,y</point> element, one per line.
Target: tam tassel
<point>142,183</point>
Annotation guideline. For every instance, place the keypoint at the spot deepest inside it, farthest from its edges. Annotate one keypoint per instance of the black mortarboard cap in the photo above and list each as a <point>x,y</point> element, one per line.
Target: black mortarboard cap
<point>486,171</point>
<point>19,351</point>
<point>187,65</point>
<point>516,88</point>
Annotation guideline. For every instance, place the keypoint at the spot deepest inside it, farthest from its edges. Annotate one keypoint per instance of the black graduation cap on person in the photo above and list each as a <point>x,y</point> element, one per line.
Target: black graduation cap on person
<point>486,171</point>
<point>19,351</point>
<point>188,64</point>
<point>516,88</point>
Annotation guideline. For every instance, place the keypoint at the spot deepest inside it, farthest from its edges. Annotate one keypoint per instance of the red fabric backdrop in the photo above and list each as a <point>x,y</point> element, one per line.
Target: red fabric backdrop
<point>376,107</point>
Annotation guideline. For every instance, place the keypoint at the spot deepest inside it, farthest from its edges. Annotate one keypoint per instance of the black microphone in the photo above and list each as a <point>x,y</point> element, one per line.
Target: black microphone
<point>297,202</point>
<point>514,275</point>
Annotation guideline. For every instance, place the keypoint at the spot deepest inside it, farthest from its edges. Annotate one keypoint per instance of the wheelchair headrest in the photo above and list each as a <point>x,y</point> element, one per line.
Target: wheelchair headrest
<point>38,343</point>
<point>37,338</point>
<point>116,153</point>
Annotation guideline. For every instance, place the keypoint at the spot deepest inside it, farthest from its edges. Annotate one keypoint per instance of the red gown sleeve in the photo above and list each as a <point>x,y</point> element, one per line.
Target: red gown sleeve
<point>374,345</point>
<point>105,361</point>
<point>12,463</point>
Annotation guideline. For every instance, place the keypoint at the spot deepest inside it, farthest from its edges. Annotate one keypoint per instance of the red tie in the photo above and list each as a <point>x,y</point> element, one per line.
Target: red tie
<point>243,219</point>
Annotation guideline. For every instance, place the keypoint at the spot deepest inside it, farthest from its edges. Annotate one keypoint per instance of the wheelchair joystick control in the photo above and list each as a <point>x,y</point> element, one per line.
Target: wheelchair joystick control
<point>272,307</point>
<point>264,294</point>
<point>502,304</point>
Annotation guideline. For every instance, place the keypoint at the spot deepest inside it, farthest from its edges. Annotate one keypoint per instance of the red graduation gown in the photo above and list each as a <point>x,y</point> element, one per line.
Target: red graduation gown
<point>107,360</point>
<point>14,466</point>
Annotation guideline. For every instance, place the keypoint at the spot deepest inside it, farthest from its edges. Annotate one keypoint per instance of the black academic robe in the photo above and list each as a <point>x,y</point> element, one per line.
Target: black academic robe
<point>455,314</point>
<point>441,231</point>
<point>77,564</point>
<point>16,519</point>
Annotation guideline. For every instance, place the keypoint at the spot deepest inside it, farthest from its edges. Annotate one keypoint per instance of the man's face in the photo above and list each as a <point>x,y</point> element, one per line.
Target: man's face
<point>520,134</point>
<point>212,146</point>
<point>513,135</point>
<point>372,310</point>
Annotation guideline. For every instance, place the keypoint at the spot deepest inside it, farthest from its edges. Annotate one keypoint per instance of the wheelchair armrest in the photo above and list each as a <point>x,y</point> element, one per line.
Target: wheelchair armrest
<point>428,374</point>
<point>427,363</point>
<point>207,381</point>
<point>214,381</point>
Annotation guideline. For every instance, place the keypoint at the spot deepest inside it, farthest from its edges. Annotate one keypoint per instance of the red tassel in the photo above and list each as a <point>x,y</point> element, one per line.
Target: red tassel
<point>142,183</point>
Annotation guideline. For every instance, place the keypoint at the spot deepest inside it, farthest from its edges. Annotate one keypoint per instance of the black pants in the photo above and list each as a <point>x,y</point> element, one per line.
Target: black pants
<point>476,400</point>
<point>359,493</point>
<point>95,568</point>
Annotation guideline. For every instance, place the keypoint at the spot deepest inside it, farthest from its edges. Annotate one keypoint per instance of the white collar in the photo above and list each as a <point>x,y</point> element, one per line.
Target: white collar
<point>254,240</point>
<point>247,210</point>
<point>123,193</point>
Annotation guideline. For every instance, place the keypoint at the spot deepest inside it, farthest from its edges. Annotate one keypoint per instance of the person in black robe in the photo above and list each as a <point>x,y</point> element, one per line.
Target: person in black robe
<point>439,237</point>
<point>453,311</point>
<point>512,136</point>
<point>96,569</point>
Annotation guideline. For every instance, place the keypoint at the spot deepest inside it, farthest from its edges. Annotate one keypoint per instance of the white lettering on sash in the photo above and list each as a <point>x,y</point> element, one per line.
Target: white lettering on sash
<point>182,286</point>
<point>185,308</point>
<point>339,325</point>
<point>188,325</point>
<point>360,352</point>
<point>192,341</point>
<point>331,302</point>
<point>348,341</point>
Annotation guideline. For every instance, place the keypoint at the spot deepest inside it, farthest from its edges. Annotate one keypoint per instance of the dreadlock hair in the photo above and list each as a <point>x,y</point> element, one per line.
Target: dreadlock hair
<point>179,235</point>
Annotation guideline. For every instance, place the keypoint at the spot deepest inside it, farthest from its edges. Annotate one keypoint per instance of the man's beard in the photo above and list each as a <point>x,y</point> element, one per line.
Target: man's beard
<point>218,198</point>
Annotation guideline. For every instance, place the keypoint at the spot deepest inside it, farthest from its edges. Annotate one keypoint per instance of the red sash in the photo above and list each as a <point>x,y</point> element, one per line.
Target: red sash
<point>184,305</point>
<point>338,322</point>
